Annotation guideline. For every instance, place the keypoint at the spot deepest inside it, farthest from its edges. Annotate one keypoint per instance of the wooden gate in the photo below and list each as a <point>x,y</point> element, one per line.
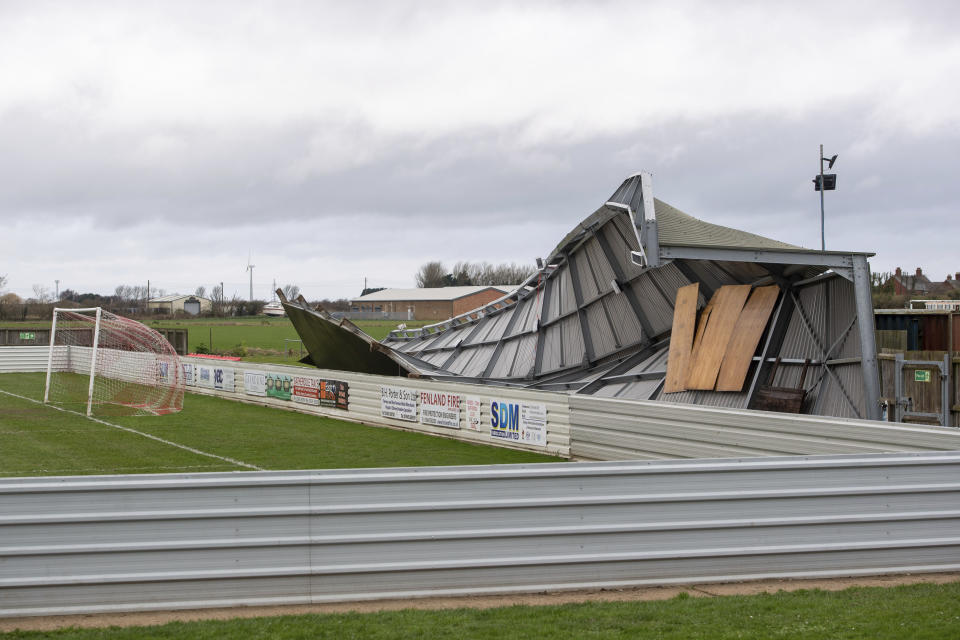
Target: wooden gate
<point>922,390</point>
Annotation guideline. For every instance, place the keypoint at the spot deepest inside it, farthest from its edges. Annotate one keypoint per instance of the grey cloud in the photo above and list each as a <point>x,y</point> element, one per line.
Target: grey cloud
<point>746,165</point>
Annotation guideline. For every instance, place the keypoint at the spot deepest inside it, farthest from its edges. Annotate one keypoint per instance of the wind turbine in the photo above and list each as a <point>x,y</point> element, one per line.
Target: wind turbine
<point>250,269</point>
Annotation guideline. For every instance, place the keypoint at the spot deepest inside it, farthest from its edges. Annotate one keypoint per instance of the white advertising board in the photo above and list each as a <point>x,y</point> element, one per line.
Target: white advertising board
<point>523,422</point>
<point>398,403</point>
<point>254,383</point>
<point>533,423</point>
<point>189,373</point>
<point>473,406</point>
<point>215,377</point>
<point>306,390</point>
<point>440,409</point>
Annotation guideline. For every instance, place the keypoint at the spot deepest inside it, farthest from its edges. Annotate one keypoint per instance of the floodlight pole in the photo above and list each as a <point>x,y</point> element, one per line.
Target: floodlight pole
<point>823,241</point>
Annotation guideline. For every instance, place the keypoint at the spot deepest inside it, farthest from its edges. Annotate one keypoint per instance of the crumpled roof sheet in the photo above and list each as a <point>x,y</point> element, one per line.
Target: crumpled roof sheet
<point>594,322</point>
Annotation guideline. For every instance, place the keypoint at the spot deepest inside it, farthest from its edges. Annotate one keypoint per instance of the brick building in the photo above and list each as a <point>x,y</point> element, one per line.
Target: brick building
<point>429,304</point>
<point>917,284</point>
<point>952,283</point>
<point>921,285</point>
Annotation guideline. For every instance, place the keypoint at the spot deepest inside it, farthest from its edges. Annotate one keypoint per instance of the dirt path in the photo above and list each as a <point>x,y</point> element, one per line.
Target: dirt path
<point>47,623</point>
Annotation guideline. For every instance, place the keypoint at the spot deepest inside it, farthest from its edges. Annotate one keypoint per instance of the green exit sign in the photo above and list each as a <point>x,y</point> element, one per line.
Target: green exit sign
<point>921,375</point>
<point>28,335</point>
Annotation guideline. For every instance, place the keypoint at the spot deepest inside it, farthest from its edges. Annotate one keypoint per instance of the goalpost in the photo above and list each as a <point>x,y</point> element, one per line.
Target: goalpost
<point>105,364</point>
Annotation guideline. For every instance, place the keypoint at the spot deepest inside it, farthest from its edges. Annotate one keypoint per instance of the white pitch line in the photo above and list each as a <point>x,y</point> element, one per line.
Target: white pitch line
<point>139,433</point>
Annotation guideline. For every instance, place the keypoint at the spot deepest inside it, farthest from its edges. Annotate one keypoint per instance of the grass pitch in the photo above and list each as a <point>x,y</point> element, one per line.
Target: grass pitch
<point>39,440</point>
<point>254,339</point>
<point>259,332</point>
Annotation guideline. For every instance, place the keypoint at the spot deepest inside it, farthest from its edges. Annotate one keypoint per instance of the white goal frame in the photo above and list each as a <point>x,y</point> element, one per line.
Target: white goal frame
<point>93,360</point>
<point>132,368</point>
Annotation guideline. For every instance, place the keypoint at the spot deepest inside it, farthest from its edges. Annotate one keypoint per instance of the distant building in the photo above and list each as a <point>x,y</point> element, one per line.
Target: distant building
<point>176,303</point>
<point>939,305</point>
<point>918,284</point>
<point>429,303</point>
<point>952,283</point>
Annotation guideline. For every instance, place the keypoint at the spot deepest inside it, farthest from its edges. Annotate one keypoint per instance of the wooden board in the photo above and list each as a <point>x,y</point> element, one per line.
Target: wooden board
<point>702,326</point>
<point>708,354</point>
<point>681,337</point>
<point>701,329</point>
<point>746,336</point>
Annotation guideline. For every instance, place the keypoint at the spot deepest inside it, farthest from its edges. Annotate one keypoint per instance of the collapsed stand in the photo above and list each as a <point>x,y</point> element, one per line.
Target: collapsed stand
<point>101,363</point>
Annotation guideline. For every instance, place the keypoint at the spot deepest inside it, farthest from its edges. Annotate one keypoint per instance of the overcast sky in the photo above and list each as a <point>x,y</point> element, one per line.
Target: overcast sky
<point>334,142</point>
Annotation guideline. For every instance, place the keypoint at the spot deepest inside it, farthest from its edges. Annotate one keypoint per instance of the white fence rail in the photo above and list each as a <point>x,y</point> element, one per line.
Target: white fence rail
<point>123,543</point>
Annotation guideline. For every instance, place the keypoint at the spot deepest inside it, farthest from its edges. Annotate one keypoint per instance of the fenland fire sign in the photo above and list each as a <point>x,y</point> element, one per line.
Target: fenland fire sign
<point>440,409</point>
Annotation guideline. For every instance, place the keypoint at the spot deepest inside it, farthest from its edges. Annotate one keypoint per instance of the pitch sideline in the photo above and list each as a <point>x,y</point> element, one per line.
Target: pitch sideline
<point>139,433</point>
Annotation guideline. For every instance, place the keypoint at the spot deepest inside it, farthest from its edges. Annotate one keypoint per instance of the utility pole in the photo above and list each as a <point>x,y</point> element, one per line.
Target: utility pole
<point>824,182</point>
<point>56,294</point>
<point>823,237</point>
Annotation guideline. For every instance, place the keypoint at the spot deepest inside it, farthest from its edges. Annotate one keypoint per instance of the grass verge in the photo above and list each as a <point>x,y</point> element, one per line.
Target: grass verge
<point>918,611</point>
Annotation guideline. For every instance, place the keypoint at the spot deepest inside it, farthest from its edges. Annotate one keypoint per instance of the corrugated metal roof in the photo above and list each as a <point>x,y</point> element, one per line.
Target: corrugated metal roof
<point>593,322</point>
<point>676,228</point>
<point>428,293</point>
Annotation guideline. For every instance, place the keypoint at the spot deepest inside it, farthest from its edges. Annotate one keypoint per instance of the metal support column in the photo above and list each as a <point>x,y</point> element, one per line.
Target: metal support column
<point>868,343</point>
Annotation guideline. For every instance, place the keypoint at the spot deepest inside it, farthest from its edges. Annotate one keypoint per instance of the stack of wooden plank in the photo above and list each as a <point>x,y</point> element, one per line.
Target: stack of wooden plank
<point>715,353</point>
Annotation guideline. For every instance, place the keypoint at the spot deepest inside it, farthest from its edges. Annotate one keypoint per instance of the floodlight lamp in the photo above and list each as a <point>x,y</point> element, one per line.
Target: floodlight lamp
<point>830,161</point>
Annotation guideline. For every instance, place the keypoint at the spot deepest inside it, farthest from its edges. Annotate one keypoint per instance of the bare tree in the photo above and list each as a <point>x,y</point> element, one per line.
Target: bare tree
<point>434,274</point>
<point>291,291</point>
<point>3,282</point>
<point>431,275</point>
<point>340,304</point>
<point>41,293</point>
<point>201,292</point>
<point>216,296</point>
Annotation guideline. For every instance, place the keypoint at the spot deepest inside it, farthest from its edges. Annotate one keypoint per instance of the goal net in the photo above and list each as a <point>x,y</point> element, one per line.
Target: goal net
<point>104,364</point>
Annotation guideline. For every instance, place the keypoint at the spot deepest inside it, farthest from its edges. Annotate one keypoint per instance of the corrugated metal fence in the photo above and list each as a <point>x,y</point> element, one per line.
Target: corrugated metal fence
<point>88,544</point>
<point>608,429</point>
<point>23,359</point>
